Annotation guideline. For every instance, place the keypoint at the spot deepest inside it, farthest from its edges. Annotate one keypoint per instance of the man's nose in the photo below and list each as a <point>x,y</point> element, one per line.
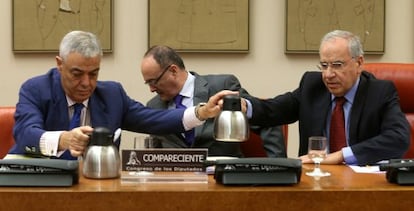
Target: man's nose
<point>152,88</point>
<point>86,79</point>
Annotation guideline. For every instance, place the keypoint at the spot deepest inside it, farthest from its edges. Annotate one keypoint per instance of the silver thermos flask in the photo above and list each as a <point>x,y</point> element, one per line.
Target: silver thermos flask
<point>101,158</point>
<point>231,124</point>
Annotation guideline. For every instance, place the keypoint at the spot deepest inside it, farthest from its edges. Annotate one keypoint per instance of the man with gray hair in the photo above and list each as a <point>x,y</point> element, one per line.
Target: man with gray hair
<point>56,111</point>
<point>370,124</point>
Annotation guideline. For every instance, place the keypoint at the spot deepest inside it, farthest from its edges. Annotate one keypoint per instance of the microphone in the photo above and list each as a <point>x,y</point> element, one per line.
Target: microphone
<point>399,163</point>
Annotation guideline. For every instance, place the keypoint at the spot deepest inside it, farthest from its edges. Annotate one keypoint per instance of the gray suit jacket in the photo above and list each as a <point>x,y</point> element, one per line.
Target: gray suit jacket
<point>204,87</point>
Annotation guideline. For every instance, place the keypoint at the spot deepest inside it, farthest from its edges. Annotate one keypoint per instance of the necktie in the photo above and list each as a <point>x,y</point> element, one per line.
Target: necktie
<point>74,122</point>
<point>337,129</point>
<point>189,134</point>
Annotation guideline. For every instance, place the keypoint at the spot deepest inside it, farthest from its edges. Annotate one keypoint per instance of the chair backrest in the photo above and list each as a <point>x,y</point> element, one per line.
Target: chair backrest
<point>6,129</point>
<point>254,147</point>
<point>402,74</point>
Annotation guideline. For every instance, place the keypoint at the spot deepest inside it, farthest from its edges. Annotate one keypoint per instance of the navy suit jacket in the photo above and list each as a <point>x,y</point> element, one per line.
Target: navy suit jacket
<point>42,106</point>
<point>378,130</point>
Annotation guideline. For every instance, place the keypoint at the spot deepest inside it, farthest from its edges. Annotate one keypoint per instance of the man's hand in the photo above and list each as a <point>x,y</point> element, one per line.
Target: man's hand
<point>333,158</point>
<point>75,140</point>
<point>243,105</point>
<point>214,105</point>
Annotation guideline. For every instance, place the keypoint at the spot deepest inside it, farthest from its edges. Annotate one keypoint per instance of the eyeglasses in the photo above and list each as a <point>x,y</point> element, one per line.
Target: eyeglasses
<point>153,82</point>
<point>336,65</point>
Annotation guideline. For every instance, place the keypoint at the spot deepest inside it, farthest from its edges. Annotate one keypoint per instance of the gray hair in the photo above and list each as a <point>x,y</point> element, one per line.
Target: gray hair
<point>354,43</point>
<point>84,43</point>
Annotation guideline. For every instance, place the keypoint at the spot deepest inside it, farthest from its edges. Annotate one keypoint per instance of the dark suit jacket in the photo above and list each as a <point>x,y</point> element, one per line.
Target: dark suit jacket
<point>378,129</point>
<point>204,87</point>
<point>43,107</point>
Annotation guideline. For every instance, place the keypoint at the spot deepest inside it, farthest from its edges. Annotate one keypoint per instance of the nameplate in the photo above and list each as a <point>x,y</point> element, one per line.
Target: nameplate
<point>177,160</point>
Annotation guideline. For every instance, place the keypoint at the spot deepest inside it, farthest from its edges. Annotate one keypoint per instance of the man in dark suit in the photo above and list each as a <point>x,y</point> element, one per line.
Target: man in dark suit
<point>45,108</point>
<point>375,127</point>
<point>165,73</point>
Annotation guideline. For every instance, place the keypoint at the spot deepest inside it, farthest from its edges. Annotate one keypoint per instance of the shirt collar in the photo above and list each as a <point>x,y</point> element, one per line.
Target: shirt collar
<point>187,90</point>
<point>71,102</point>
<point>349,96</point>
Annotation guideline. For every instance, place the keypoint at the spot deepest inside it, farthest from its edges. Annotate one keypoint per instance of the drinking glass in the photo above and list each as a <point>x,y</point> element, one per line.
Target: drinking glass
<point>317,150</point>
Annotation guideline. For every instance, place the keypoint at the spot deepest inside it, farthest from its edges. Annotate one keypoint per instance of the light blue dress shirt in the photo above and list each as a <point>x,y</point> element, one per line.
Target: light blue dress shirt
<point>349,156</point>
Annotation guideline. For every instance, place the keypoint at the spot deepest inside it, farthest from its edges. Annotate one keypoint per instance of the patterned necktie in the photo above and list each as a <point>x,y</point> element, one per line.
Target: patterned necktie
<point>75,122</point>
<point>337,129</point>
<point>189,134</point>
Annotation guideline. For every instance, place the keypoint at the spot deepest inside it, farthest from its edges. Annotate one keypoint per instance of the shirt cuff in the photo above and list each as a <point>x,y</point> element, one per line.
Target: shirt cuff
<point>349,156</point>
<point>249,111</point>
<point>190,120</point>
<point>49,142</point>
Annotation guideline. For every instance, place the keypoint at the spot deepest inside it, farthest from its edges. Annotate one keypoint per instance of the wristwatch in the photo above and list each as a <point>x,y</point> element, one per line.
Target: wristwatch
<point>196,110</point>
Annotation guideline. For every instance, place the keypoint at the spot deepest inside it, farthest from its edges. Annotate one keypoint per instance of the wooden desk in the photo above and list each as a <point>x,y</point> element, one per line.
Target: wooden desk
<point>343,189</point>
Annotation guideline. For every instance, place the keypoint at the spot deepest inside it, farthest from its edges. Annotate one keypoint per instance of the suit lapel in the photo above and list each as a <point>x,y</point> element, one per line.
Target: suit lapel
<point>58,118</point>
<point>201,94</point>
<point>324,104</point>
<point>99,113</point>
<point>357,108</point>
<point>200,90</point>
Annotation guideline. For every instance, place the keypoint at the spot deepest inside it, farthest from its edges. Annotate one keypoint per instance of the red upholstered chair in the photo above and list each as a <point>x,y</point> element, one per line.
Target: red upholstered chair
<point>402,74</point>
<point>253,147</point>
<point>6,129</point>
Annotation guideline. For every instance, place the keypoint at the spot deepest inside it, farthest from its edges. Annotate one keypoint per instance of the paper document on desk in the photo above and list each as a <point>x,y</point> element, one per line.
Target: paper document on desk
<point>366,169</point>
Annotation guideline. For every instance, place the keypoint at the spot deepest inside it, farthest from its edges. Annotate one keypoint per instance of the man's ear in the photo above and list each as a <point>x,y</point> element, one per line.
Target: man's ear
<point>360,61</point>
<point>59,62</point>
<point>173,69</point>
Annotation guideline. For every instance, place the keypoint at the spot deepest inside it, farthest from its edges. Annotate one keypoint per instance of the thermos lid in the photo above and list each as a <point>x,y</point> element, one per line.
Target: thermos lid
<point>231,103</point>
<point>101,136</point>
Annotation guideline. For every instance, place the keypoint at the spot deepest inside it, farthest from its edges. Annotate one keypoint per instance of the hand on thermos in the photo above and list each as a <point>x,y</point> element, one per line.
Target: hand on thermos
<point>75,140</point>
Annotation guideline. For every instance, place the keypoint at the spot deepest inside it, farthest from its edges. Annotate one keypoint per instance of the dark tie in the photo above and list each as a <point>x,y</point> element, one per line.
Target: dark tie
<point>189,134</point>
<point>75,122</point>
<point>337,129</point>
